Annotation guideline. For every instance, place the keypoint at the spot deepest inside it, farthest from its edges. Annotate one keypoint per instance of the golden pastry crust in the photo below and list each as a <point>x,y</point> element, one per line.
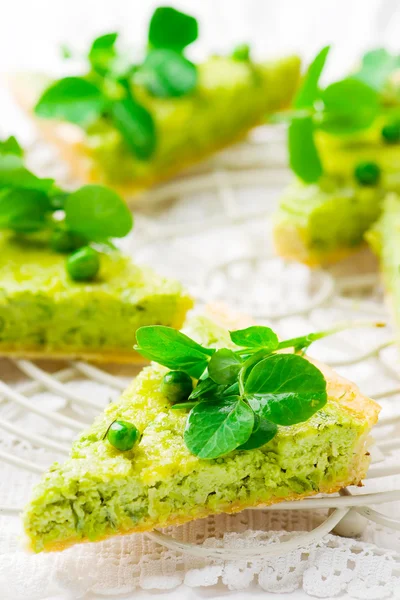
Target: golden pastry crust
<point>290,244</point>
<point>355,479</point>
<point>96,356</point>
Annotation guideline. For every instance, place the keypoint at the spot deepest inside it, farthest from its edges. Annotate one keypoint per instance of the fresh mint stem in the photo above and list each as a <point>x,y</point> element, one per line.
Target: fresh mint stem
<point>301,342</point>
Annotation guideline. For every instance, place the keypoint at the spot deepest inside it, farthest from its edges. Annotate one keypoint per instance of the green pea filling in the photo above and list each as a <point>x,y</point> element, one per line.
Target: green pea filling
<point>100,490</point>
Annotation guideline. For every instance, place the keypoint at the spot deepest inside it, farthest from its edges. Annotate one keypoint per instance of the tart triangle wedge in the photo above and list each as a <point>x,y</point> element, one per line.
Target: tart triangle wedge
<point>45,314</point>
<point>100,491</point>
<point>231,98</point>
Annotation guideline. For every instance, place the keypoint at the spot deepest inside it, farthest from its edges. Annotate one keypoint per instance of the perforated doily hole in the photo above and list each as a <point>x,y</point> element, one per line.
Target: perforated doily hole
<point>267,287</point>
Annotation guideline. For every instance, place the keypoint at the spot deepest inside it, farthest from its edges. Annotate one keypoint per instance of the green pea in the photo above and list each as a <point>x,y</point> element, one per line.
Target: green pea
<point>391,132</point>
<point>84,264</point>
<point>62,240</point>
<point>123,435</point>
<point>176,386</point>
<point>241,52</point>
<point>367,173</point>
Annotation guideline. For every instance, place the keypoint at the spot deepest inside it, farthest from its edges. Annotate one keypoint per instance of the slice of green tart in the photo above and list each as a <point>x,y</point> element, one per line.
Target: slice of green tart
<point>230,97</point>
<point>101,491</point>
<point>323,222</point>
<point>45,313</point>
<point>384,239</point>
<point>344,148</point>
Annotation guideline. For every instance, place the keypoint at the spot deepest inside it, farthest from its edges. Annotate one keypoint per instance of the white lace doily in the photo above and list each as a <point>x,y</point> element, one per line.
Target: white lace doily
<point>211,229</point>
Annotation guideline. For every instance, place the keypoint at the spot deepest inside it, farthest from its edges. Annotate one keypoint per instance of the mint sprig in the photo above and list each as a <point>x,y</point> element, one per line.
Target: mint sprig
<point>242,395</point>
<point>170,28</point>
<point>92,213</point>
<point>345,107</point>
<point>107,91</point>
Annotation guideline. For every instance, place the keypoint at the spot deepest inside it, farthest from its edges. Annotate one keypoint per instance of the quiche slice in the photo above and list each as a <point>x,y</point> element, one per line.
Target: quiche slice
<point>100,491</point>
<point>44,313</point>
<point>321,223</point>
<point>383,238</point>
<point>231,97</point>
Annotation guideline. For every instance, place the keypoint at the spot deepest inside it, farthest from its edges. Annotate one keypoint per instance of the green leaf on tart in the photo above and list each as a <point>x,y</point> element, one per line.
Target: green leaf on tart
<point>166,74</point>
<point>287,389</point>
<point>309,90</point>
<point>14,174</point>
<point>136,126</point>
<point>170,28</point>
<point>97,212</point>
<point>376,68</point>
<point>255,336</point>
<point>205,387</point>
<point>303,154</point>
<point>349,106</point>
<point>214,429</point>
<point>11,146</point>
<point>224,366</point>
<point>102,52</point>
<point>23,210</point>
<point>172,349</point>
<point>263,432</point>
<point>72,99</point>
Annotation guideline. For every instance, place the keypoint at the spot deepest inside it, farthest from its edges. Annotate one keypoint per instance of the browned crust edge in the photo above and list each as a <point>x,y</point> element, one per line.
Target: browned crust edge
<point>290,245</point>
<point>227,509</point>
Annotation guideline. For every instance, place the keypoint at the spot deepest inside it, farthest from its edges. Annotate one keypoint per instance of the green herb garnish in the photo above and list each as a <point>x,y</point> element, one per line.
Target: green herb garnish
<point>344,107</point>
<point>107,91</point>
<point>242,395</point>
<point>28,205</point>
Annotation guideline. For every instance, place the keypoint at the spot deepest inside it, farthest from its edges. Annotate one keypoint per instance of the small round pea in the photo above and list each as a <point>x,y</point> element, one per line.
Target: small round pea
<point>176,386</point>
<point>367,173</point>
<point>391,132</point>
<point>123,435</point>
<point>62,240</point>
<point>84,264</point>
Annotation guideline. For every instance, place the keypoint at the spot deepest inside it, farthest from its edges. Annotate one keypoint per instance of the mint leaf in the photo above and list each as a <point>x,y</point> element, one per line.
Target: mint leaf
<point>13,174</point>
<point>11,146</point>
<point>167,74</point>
<point>303,154</point>
<point>102,52</point>
<point>215,428</point>
<point>350,105</point>
<point>255,336</point>
<point>96,212</point>
<point>170,28</point>
<point>204,387</point>
<point>263,432</point>
<point>23,211</point>
<point>71,99</point>
<point>376,68</point>
<point>309,91</point>
<point>224,366</point>
<point>288,388</point>
<point>172,349</point>
<point>136,126</point>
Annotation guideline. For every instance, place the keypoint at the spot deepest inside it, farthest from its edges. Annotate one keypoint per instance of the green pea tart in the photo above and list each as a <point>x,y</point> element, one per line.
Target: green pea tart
<point>45,313</point>
<point>101,491</point>
<point>230,98</point>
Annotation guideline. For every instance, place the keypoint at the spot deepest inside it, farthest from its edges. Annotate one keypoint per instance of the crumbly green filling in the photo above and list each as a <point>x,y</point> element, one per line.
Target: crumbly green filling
<point>40,306</point>
<point>384,238</point>
<point>329,216</point>
<point>100,490</point>
<point>231,97</point>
